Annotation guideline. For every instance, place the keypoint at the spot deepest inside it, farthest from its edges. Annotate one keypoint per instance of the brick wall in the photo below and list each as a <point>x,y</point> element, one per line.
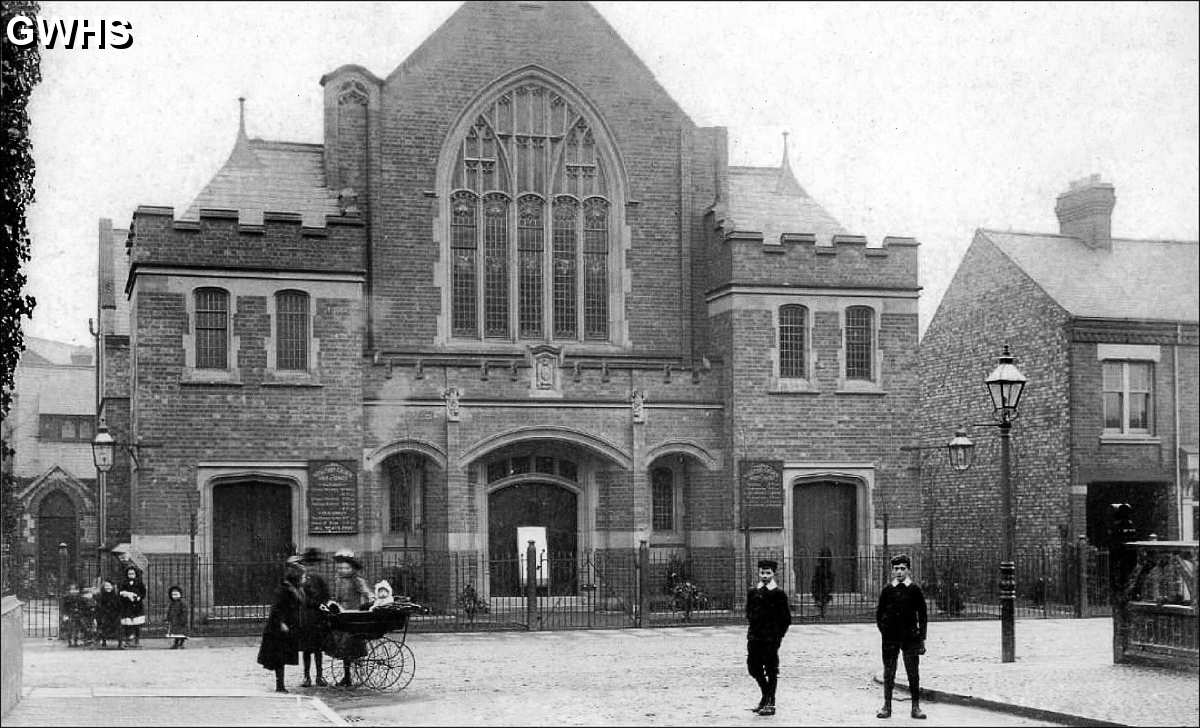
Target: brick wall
<point>991,303</point>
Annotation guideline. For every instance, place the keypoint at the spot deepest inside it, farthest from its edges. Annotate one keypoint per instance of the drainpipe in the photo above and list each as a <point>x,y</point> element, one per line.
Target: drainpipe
<point>1175,455</point>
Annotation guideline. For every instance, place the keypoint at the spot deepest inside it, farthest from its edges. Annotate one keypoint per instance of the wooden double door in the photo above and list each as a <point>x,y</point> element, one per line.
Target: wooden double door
<point>252,535</point>
<point>825,519</point>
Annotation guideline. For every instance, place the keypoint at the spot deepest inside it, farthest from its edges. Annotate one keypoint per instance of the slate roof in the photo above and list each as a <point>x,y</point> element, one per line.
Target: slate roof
<point>269,176</point>
<point>47,352</point>
<point>769,200</point>
<point>1138,279</point>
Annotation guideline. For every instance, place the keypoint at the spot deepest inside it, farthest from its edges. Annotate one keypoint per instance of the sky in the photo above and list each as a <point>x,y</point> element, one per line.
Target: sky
<point>926,120</point>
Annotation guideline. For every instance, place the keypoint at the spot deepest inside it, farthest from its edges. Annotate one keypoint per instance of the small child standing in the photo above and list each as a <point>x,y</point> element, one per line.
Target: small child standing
<point>177,618</point>
<point>70,617</point>
<point>108,614</point>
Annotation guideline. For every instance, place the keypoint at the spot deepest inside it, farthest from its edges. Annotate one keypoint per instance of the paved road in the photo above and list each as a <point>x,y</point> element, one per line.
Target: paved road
<point>684,676</point>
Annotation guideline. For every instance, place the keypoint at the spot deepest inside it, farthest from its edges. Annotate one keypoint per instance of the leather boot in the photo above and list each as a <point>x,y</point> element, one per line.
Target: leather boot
<point>916,709</point>
<point>885,711</point>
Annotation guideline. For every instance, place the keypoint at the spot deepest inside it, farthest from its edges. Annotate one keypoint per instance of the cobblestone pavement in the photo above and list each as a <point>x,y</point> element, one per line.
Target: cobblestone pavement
<point>692,675</point>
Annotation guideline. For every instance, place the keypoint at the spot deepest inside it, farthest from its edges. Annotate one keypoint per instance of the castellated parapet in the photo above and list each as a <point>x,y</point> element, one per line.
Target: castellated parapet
<point>796,260</point>
<point>217,240</point>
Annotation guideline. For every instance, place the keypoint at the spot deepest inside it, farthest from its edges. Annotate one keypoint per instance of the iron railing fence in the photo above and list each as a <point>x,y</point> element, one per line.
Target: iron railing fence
<point>612,587</point>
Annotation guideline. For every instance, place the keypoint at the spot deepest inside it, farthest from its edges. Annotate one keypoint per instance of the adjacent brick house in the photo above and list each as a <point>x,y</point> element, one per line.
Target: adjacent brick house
<point>1105,330</point>
<point>50,428</point>
<point>516,287</point>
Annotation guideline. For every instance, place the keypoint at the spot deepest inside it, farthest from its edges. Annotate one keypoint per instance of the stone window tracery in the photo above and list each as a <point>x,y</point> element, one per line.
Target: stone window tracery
<point>530,222</point>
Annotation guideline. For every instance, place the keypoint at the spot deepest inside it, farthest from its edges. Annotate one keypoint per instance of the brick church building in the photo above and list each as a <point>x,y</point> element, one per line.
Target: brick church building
<point>516,294</point>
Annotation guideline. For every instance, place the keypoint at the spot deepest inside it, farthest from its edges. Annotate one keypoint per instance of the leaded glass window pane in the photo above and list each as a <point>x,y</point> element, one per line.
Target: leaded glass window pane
<point>565,248</point>
<point>792,323</point>
<point>530,243</point>
<point>463,249</point>
<point>662,482</point>
<point>495,287</point>
<point>212,329</point>
<point>406,475</point>
<point>860,331</point>
<point>595,269</point>
<point>291,331</point>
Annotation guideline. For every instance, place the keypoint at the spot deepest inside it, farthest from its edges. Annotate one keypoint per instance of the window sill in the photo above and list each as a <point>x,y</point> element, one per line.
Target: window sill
<point>220,377</point>
<point>787,385</point>
<point>1123,439</point>
<point>668,539</point>
<point>872,390</point>
<point>276,378</point>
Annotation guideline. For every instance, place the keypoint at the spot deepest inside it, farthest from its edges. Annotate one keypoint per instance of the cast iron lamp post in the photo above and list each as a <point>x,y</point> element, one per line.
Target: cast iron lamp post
<point>959,451</point>
<point>1005,385</point>
<point>103,449</point>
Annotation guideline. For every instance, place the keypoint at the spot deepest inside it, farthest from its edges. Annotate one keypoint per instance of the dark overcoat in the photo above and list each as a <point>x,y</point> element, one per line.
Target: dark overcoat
<point>768,613</point>
<point>901,615</point>
<point>280,638</point>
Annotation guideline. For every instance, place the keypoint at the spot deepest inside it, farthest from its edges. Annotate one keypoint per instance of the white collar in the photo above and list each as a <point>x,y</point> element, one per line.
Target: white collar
<point>770,585</point>
<point>907,581</point>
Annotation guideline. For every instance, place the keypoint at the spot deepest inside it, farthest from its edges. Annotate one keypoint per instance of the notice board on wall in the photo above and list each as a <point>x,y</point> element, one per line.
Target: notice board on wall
<point>762,493</point>
<point>332,496</point>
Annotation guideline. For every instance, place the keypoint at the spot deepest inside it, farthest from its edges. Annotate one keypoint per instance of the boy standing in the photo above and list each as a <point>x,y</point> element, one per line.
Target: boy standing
<point>769,615</point>
<point>901,619</point>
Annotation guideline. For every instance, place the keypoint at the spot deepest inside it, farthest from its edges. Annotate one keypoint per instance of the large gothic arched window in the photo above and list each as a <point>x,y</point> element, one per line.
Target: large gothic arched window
<point>530,222</point>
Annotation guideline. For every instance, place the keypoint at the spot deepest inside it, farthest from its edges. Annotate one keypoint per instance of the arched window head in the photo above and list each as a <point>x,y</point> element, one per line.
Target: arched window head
<point>531,237</point>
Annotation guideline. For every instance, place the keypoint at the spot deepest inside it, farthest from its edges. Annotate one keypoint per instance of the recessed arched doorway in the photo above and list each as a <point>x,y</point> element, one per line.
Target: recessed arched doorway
<point>252,535</point>
<point>825,516</point>
<point>538,504</point>
<point>56,523</point>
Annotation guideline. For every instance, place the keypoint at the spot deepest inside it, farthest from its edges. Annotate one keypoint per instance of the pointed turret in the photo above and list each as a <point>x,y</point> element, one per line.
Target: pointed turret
<point>786,183</point>
<point>242,156</point>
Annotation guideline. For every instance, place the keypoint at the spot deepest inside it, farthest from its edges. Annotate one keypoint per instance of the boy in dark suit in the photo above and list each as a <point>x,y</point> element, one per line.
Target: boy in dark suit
<point>769,615</point>
<point>901,619</point>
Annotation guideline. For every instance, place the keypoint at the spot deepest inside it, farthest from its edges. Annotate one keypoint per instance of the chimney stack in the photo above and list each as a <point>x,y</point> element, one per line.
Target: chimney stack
<point>1085,212</point>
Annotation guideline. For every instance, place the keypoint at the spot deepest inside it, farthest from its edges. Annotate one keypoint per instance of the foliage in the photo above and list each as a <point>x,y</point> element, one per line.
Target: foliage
<point>22,71</point>
<point>686,595</point>
<point>471,603</point>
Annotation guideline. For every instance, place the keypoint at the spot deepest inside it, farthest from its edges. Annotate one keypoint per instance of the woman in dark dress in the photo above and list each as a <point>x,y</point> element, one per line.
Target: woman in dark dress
<point>280,638</point>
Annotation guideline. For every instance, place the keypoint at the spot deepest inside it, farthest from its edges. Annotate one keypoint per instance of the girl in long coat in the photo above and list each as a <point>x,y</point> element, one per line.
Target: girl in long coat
<point>177,618</point>
<point>314,626</point>
<point>280,638</point>
<point>108,613</point>
<point>133,605</point>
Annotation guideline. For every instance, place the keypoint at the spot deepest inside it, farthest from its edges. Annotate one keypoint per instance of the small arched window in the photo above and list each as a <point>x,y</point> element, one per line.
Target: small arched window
<point>793,331</point>
<point>529,222</point>
<point>291,330</point>
<point>662,496</point>
<point>406,480</point>
<point>212,328</point>
<point>860,343</point>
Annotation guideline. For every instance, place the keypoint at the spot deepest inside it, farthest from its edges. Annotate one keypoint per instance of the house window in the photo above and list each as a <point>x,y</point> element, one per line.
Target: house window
<point>1128,390</point>
<point>860,343</point>
<point>792,333</point>
<point>65,428</point>
<point>291,330</point>
<point>530,222</point>
<point>212,328</point>
<point>406,475</point>
<point>662,483</point>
